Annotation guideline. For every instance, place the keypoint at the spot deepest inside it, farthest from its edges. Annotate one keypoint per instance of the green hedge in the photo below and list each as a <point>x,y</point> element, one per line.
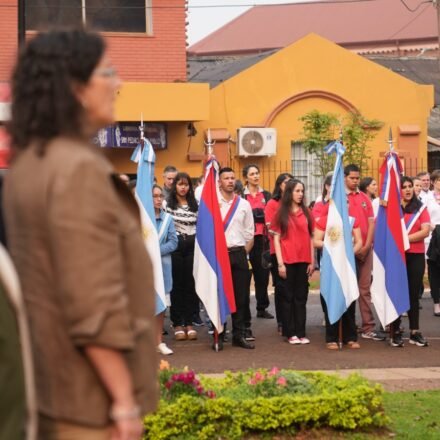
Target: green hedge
<point>309,400</point>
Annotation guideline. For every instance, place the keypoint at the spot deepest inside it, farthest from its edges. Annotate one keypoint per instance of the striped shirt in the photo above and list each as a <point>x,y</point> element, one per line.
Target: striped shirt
<point>184,219</point>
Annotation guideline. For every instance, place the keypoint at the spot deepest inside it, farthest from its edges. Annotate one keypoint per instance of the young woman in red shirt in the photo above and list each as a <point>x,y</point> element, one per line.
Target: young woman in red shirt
<point>417,223</point>
<point>293,230</point>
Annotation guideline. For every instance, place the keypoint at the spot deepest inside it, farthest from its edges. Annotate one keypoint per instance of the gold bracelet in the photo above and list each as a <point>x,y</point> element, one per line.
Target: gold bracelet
<point>125,414</point>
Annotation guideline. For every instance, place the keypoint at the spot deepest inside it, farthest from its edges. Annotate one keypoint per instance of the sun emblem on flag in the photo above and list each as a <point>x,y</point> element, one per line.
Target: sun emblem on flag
<point>334,234</point>
<point>146,232</point>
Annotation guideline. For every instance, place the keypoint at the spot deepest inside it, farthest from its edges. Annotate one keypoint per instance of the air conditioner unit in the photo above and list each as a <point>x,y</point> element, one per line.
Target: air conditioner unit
<point>257,141</point>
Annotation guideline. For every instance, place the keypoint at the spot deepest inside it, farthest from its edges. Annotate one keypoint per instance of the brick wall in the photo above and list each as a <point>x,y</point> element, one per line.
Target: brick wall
<point>157,58</point>
<point>8,39</point>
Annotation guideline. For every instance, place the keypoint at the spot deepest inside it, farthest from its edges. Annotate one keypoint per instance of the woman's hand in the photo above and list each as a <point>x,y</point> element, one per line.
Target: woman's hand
<point>282,271</point>
<point>310,269</point>
<point>127,422</point>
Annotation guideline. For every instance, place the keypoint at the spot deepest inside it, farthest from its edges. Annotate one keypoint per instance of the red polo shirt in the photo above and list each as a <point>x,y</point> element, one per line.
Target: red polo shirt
<point>296,243</point>
<point>417,247</point>
<point>361,209</point>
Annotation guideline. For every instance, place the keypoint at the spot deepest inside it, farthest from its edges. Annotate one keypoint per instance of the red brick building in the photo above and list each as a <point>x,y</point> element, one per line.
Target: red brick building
<point>147,44</point>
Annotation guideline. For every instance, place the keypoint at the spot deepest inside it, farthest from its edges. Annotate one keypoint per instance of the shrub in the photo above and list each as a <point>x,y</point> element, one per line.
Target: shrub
<point>267,401</point>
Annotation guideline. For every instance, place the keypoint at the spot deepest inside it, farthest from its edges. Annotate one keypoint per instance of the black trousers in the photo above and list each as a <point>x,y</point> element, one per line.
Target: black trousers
<point>349,332</point>
<point>261,275</point>
<point>240,280</point>
<point>415,268</point>
<point>278,287</point>
<point>293,300</point>
<point>184,299</point>
<point>434,280</point>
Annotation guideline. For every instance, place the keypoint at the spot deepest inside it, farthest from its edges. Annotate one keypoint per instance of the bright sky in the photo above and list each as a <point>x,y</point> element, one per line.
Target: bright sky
<point>206,16</point>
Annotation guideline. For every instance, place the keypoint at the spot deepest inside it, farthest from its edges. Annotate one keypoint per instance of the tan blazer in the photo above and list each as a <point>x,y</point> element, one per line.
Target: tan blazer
<point>74,235</point>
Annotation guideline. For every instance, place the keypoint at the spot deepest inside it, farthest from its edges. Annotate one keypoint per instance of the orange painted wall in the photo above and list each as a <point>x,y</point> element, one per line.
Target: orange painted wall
<point>8,40</point>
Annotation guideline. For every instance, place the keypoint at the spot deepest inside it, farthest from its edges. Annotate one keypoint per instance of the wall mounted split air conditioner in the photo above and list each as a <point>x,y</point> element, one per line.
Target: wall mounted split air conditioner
<point>257,141</point>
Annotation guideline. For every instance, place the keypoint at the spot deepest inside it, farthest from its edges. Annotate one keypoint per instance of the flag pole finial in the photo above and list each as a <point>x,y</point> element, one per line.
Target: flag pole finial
<point>390,140</point>
<point>209,143</point>
<point>141,128</point>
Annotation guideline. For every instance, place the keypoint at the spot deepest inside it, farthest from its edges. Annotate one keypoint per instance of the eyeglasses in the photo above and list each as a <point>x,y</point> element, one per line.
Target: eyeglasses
<point>106,72</point>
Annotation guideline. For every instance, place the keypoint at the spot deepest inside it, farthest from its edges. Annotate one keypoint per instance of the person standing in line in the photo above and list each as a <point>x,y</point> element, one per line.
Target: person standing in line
<point>168,244</point>
<point>426,192</point>
<point>361,209</point>
<point>182,206</point>
<point>169,174</point>
<point>258,198</point>
<point>270,211</point>
<point>74,234</point>
<point>239,233</point>
<point>369,187</point>
<point>293,241</point>
<point>417,221</point>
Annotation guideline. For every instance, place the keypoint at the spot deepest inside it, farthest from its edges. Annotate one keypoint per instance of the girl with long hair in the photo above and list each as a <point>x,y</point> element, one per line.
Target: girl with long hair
<point>293,232</point>
<point>417,223</point>
<point>270,211</point>
<point>182,206</point>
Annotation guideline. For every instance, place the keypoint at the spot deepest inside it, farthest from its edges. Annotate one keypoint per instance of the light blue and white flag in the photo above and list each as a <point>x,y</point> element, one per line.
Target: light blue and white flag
<point>339,285</point>
<point>145,157</point>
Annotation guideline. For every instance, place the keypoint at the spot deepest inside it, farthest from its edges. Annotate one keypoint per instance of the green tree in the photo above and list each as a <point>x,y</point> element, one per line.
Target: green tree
<point>318,130</point>
<point>358,132</point>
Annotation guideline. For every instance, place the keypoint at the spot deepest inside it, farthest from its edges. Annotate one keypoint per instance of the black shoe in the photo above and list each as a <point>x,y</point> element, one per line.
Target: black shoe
<point>197,321</point>
<point>396,340</point>
<point>264,314</point>
<point>241,342</point>
<point>248,335</point>
<point>418,339</point>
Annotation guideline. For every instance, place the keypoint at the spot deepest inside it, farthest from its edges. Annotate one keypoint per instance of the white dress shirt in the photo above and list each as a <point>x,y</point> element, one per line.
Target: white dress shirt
<point>241,227</point>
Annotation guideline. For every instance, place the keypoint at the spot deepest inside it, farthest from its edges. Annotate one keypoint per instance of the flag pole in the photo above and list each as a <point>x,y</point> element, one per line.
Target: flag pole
<point>340,334</point>
<point>391,148</point>
<point>141,131</point>
<point>216,340</point>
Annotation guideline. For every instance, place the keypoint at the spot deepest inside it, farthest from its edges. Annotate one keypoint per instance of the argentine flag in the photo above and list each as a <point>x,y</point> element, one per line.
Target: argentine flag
<point>339,285</point>
<point>389,289</point>
<point>145,158</point>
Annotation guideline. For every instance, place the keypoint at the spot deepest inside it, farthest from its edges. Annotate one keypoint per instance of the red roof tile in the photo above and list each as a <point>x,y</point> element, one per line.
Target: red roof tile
<point>363,23</point>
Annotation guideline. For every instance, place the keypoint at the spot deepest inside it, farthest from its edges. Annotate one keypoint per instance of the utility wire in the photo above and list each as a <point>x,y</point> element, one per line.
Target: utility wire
<point>410,22</point>
<point>417,7</point>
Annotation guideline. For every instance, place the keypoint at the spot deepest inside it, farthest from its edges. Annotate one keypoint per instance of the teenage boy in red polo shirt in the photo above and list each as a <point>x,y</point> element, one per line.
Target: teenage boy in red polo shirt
<point>361,209</point>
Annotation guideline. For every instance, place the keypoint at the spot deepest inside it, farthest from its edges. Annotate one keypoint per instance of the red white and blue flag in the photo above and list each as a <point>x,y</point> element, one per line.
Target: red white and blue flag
<point>389,289</point>
<point>212,270</point>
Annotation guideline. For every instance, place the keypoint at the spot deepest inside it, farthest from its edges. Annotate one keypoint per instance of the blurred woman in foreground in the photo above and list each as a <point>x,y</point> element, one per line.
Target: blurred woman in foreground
<point>74,234</point>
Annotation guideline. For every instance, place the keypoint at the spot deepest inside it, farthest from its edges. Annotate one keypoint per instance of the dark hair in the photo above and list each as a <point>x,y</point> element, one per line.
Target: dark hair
<point>276,193</point>
<point>225,170</point>
<point>414,204</point>
<point>248,167</point>
<point>435,175</point>
<point>170,169</point>
<point>156,186</point>
<point>238,187</point>
<point>44,104</point>
<point>351,168</point>
<point>282,217</point>
<point>327,181</point>
<point>364,184</point>
<point>190,198</point>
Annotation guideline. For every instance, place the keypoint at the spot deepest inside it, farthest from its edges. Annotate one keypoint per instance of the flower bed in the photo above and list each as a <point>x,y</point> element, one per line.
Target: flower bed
<point>261,401</point>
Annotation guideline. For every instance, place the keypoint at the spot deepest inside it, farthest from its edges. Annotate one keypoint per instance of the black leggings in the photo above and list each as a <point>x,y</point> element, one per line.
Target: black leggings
<point>415,268</point>
<point>184,299</point>
<point>434,280</point>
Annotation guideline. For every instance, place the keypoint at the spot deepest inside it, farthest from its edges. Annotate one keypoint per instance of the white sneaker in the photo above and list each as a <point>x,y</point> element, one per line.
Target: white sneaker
<point>294,340</point>
<point>163,349</point>
<point>304,341</point>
